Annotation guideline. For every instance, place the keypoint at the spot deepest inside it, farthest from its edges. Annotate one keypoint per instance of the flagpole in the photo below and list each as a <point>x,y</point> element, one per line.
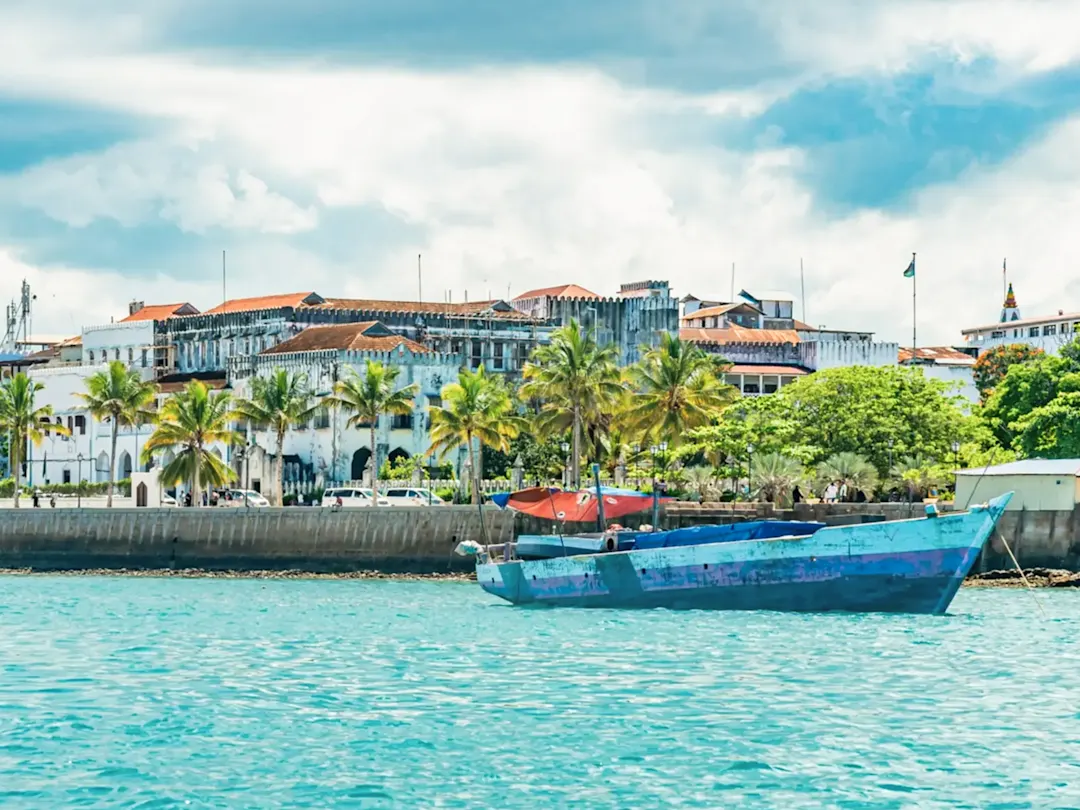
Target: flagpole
<point>914,317</point>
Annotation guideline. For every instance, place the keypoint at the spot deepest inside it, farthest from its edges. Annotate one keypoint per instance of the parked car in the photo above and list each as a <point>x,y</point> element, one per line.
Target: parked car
<point>413,496</point>
<point>241,497</point>
<point>351,497</point>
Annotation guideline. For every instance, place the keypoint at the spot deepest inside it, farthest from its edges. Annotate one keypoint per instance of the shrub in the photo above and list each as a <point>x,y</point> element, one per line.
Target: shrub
<point>289,499</point>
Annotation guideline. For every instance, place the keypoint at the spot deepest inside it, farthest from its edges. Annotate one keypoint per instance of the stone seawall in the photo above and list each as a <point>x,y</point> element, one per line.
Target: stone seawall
<point>392,540</point>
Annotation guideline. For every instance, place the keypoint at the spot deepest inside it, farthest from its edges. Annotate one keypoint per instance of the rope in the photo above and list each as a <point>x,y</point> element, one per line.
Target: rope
<point>1020,570</point>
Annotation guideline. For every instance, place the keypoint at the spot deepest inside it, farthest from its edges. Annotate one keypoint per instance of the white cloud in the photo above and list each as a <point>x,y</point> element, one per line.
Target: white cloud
<point>530,176</point>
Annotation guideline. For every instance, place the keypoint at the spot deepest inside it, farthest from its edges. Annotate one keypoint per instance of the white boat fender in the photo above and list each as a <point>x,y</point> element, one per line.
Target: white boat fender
<point>467,548</point>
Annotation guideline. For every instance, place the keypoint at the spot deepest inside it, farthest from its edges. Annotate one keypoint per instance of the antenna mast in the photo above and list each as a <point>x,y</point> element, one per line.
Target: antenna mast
<point>802,282</point>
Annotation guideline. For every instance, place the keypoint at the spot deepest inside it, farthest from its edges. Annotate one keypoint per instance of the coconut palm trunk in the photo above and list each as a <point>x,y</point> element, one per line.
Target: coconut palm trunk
<point>575,467</point>
<point>16,464</point>
<point>112,461</point>
<point>279,479</point>
<point>374,467</point>
<point>475,473</point>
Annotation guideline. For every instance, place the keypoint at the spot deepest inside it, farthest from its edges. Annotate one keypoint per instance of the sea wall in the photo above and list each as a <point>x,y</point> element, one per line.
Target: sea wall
<point>393,540</point>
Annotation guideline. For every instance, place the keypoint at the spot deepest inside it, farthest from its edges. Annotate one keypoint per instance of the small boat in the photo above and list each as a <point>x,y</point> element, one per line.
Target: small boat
<point>900,566</point>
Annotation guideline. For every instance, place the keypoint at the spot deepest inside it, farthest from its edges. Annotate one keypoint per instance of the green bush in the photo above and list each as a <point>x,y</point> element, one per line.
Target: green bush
<point>7,487</point>
<point>446,493</point>
<point>289,499</point>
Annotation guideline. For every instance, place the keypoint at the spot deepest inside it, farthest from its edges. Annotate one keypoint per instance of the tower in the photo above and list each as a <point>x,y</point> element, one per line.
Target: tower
<point>1009,310</point>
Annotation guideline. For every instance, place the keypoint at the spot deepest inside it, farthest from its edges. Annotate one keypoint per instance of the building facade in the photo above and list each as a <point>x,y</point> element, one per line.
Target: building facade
<point>1048,333</point>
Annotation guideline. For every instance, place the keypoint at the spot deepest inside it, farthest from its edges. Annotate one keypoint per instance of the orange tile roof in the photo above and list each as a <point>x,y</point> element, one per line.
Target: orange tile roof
<point>160,312</point>
<point>787,371</point>
<point>484,308</point>
<point>936,354</point>
<point>738,334</point>
<point>712,312</point>
<point>71,341</point>
<point>361,337</point>
<point>561,291</point>
<point>293,300</point>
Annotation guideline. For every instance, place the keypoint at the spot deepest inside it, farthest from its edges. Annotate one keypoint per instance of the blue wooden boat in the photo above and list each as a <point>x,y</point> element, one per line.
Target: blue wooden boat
<point>902,566</point>
<point>547,546</point>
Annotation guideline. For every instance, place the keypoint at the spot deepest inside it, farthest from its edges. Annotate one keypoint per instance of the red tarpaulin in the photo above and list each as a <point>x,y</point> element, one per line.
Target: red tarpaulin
<point>575,507</point>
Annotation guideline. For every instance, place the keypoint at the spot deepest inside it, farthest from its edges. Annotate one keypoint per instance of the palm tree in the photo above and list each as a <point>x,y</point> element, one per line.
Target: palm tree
<point>700,479</point>
<point>475,408</point>
<point>23,421</point>
<point>576,381</point>
<point>775,475</point>
<point>120,395</point>
<point>367,398</point>
<point>188,423</point>
<point>278,403</point>
<point>849,468</point>
<point>676,389</point>
<point>916,475</point>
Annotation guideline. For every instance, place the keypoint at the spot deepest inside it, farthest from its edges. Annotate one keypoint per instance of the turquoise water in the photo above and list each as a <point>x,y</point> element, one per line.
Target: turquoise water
<point>157,693</point>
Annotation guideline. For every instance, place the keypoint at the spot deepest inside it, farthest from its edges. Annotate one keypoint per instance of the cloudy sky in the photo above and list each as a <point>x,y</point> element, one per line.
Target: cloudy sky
<point>325,144</point>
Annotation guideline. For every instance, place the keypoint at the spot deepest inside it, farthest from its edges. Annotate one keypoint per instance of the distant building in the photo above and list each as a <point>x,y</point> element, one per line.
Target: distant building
<point>1037,485</point>
<point>1048,333</point>
<point>635,316</point>
<point>947,364</point>
<point>768,347</point>
<point>325,448</point>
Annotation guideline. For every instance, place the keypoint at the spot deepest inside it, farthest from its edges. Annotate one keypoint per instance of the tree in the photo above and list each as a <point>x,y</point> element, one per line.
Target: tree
<point>917,476</point>
<point>366,398</point>
<point>775,475</point>
<point>278,403</point>
<point>994,364</point>
<point>23,421</point>
<point>121,396</point>
<point>700,480</point>
<point>1051,430</point>
<point>874,412</point>
<point>576,381</point>
<point>188,423</point>
<point>1024,389</point>
<point>477,408</point>
<point>848,468</point>
<point>676,388</point>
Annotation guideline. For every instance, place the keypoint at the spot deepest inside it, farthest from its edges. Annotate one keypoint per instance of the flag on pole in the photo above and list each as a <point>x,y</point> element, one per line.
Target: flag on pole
<point>910,272</point>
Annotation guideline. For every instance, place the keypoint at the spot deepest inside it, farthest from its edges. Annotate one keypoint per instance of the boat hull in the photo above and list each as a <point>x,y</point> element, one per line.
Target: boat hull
<point>910,566</point>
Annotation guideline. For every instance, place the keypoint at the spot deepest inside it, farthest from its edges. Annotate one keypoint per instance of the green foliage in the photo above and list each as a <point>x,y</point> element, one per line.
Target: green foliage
<point>477,408</point>
<point>577,384</point>
<point>190,421</point>
<point>775,476</point>
<point>278,403</point>
<point>850,469</point>
<point>994,364</point>
<point>1051,430</point>
<point>917,477</point>
<point>23,420</point>
<point>403,468</point>
<point>675,389</point>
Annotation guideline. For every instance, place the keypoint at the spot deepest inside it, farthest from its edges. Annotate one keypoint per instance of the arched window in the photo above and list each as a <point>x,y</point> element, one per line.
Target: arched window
<point>91,361</point>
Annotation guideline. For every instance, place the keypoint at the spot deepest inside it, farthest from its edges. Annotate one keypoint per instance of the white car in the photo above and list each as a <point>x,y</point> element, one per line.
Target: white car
<point>351,497</point>
<point>413,496</point>
<point>243,498</point>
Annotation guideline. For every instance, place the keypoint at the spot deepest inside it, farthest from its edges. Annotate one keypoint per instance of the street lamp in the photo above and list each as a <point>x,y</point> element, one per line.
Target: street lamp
<point>79,490</point>
<point>730,461</point>
<point>566,467</point>
<point>749,467</point>
<point>956,453</point>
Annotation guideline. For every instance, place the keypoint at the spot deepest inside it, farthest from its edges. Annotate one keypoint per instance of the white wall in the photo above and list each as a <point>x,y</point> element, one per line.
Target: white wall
<point>1052,492</point>
<point>119,341</point>
<point>823,354</point>
<point>962,378</point>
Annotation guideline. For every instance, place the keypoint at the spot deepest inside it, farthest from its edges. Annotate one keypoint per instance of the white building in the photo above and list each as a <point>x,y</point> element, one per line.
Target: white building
<point>1048,333</point>
<point>946,364</point>
<point>326,449</point>
<point>1036,484</point>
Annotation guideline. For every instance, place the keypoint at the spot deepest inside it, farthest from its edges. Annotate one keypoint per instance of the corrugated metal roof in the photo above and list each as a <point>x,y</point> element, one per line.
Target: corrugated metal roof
<point>1030,466</point>
<point>561,291</point>
<point>738,334</point>
<point>786,371</point>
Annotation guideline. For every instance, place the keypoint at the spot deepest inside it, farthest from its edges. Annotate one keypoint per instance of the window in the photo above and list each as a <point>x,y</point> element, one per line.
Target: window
<point>71,426</point>
<point>751,388</point>
<point>131,356</point>
<point>322,419</point>
<point>997,333</point>
<point>396,493</point>
<point>144,358</point>
<point>498,356</point>
<point>80,424</point>
<point>402,421</point>
<point>477,353</point>
<point>116,354</point>
<point>91,360</point>
<point>1050,329</point>
<point>1033,331</point>
<point>434,401</point>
